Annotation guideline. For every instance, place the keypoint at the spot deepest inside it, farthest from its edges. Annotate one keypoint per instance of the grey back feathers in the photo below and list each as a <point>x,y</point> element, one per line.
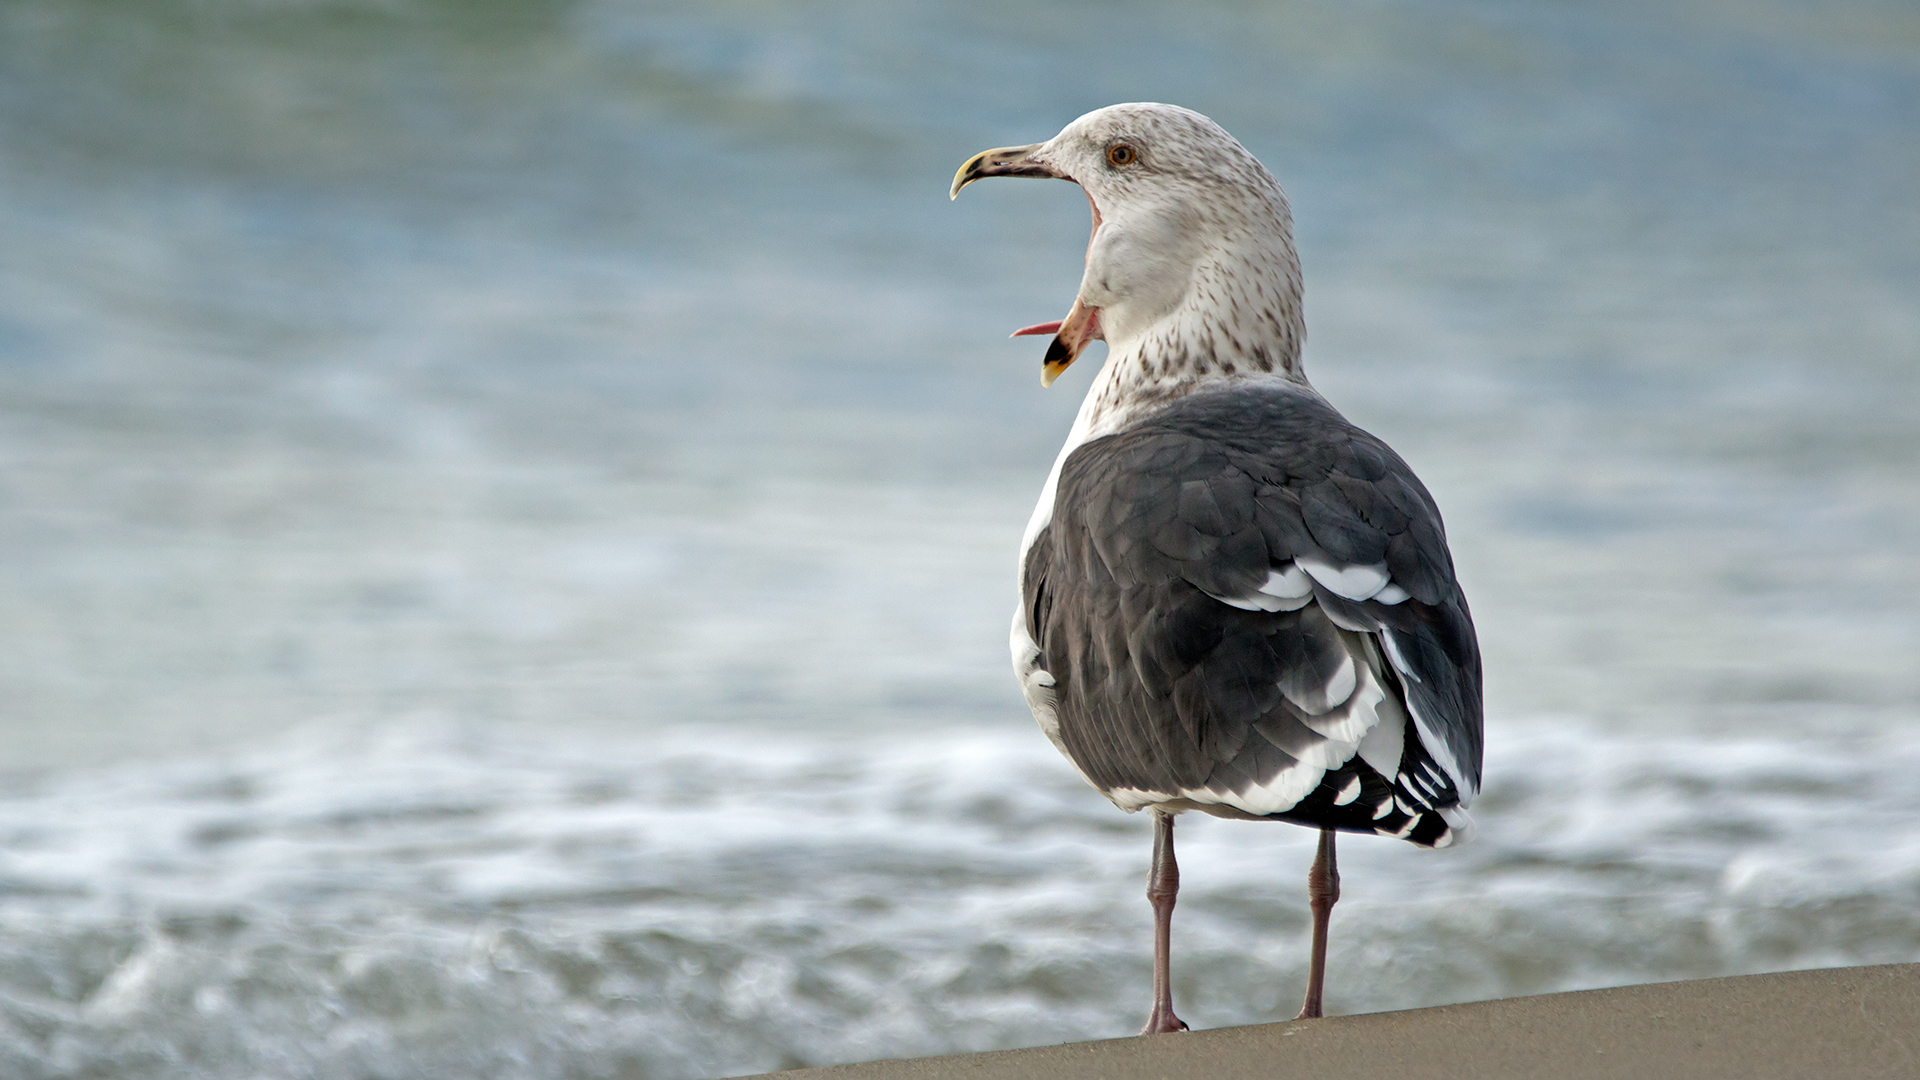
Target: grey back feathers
<point>1159,601</point>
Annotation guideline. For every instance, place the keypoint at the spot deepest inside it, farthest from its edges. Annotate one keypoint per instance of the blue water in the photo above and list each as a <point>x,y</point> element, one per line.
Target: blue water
<point>507,515</point>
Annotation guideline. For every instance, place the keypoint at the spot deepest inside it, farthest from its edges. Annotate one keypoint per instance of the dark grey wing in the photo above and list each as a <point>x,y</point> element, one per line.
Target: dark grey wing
<point>1246,604</point>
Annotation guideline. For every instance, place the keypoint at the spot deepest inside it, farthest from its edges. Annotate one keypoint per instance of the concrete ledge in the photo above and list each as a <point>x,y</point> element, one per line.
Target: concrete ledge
<point>1844,1022</point>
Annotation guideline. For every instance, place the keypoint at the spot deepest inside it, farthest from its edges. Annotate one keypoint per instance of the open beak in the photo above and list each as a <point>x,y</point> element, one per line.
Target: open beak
<point>1082,324</point>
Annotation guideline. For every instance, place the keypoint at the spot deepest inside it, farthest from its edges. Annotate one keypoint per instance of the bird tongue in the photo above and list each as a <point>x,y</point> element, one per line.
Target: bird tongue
<point>1037,328</point>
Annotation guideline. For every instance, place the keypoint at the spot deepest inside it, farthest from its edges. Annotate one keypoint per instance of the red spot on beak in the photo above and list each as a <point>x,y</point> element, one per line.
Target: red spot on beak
<point>1082,325</point>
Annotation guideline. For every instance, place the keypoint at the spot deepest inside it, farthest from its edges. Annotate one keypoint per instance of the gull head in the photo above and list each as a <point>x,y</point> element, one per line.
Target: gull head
<point>1191,269</point>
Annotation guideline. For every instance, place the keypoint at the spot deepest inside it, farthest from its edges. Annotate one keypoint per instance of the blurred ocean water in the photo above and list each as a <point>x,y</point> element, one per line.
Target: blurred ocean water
<point>507,516</point>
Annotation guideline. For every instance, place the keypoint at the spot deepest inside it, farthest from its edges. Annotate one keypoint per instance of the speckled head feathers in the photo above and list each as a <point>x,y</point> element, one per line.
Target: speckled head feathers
<point>1173,151</point>
<point>1191,273</point>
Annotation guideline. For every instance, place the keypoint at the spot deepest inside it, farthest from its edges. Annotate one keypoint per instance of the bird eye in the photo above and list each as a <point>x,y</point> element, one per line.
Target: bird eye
<point>1122,154</point>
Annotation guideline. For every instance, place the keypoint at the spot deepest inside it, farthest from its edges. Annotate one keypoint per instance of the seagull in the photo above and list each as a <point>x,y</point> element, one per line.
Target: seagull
<point>1232,600</point>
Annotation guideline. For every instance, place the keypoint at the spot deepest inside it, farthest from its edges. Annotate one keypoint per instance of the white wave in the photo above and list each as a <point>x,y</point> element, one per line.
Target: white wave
<point>702,902</point>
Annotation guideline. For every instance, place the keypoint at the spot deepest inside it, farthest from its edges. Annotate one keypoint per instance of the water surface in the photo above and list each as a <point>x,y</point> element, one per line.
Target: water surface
<point>507,516</point>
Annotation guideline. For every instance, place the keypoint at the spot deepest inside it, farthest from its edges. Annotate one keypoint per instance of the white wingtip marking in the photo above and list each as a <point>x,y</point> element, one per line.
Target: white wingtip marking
<point>1387,739</point>
<point>1287,588</point>
<point>1460,825</point>
<point>1352,719</point>
<point>1348,793</point>
<point>1399,662</point>
<point>1289,582</point>
<point>1338,691</point>
<point>1392,594</point>
<point>1262,602</point>
<point>1351,582</point>
<point>1132,799</point>
<point>1442,754</point>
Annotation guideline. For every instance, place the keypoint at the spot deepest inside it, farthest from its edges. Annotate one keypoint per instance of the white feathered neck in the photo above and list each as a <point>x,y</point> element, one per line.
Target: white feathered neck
<point>1192,266</point>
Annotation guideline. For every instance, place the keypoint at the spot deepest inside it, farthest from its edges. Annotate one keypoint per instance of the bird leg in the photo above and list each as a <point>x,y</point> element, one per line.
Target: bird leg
<point>1323,891</point>
<point>1163,884</point>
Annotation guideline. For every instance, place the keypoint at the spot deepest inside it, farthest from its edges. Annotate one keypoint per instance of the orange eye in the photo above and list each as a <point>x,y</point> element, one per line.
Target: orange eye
<point>1122,154</point>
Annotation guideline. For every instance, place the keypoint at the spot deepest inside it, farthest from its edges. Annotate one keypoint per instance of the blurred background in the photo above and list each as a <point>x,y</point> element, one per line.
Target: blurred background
<point>508,512</point>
